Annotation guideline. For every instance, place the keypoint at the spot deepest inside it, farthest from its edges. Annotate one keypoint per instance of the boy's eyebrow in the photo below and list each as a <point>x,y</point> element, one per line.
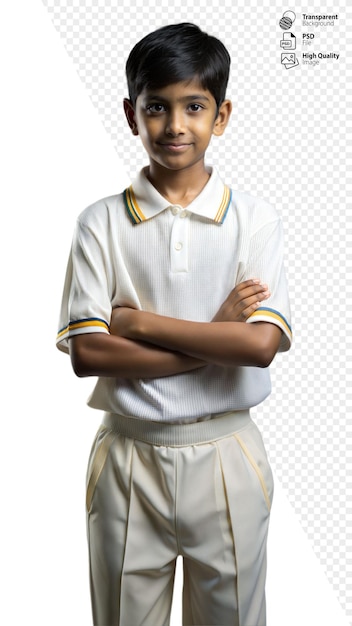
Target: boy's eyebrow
<point>183,99</point>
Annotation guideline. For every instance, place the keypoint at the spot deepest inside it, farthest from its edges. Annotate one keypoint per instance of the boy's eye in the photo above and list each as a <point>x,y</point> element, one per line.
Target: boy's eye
<point>156,108</point>
<point>195,107</point>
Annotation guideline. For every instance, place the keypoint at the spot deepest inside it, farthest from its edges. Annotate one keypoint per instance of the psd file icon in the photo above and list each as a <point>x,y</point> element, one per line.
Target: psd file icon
<point>288,42</point>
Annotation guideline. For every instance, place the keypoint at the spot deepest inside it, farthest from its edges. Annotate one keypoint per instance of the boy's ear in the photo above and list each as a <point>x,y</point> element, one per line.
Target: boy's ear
<point>130,115</point>
<point>222,117</point>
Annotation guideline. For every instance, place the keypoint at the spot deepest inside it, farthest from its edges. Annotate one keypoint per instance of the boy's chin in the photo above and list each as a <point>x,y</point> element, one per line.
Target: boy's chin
<point>176,164</point>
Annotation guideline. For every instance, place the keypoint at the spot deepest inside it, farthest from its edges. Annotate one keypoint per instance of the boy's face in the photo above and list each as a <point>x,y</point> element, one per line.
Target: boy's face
<point>176,123</point>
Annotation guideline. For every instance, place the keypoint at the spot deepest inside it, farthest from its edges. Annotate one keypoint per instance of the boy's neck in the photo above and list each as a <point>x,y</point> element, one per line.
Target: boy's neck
<point>178,186</point>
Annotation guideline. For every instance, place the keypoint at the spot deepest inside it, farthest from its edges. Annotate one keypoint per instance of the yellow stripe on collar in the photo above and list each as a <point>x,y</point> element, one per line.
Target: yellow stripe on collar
<point>223,208</point>
<point>132,206</point>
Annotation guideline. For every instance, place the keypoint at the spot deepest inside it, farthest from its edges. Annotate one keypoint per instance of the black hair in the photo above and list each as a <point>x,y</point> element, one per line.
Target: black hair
<point>175,53</point>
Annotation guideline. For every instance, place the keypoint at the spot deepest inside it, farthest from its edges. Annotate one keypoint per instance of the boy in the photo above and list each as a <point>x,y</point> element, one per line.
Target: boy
<point>160,282</point>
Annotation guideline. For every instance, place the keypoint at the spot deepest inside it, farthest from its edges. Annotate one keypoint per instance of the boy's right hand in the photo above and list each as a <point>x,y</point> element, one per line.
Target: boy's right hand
<point>242,301</point>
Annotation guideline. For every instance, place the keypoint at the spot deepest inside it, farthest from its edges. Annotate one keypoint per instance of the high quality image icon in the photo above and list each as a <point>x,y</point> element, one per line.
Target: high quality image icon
<point>289,60</point>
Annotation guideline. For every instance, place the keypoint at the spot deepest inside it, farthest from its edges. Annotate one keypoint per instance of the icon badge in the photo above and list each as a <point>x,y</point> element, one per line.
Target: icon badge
<point>288,42</point>
<point>287,20</point>
<point>289,59</point>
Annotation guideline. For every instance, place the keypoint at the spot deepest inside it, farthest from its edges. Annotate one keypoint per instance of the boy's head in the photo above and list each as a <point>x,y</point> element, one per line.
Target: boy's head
<point>177,53</point>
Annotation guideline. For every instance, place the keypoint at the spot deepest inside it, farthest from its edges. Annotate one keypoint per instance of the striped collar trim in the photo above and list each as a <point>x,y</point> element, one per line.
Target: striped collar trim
<point>224,206</point>
<point>143,201</point>
<point>133,209</point>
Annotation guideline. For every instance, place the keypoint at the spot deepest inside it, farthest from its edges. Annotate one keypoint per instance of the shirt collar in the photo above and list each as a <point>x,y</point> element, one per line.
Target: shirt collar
<point>143,201</point>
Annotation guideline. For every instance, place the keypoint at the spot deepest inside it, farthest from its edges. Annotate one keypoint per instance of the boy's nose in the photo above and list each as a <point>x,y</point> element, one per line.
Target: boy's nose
<point>175,124</point>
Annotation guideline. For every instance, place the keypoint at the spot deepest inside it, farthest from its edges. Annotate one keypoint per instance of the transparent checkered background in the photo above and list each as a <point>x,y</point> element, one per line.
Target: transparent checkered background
<point>287,142</point>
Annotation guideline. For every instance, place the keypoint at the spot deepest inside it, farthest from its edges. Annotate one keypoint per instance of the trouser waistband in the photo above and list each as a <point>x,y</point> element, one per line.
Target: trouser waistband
<point>164,434</point>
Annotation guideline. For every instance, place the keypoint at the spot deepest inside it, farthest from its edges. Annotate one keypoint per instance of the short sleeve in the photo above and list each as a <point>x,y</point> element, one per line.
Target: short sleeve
<point>86,304</point>
<point>266,261</point>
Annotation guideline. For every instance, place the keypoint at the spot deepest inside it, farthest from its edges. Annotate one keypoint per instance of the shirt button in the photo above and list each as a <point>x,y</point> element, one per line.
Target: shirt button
<point>178,246</point>
<point>175,210</point>
<point>184,214</point>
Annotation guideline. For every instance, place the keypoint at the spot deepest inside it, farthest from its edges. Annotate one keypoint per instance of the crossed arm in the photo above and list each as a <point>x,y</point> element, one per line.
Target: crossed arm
<point>147,345</point>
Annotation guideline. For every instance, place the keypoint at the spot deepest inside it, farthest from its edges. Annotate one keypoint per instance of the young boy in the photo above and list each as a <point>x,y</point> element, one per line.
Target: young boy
<point>160,282</point>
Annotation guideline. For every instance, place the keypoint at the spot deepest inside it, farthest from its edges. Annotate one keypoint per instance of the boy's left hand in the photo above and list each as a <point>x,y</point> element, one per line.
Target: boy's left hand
<point>242,301</point>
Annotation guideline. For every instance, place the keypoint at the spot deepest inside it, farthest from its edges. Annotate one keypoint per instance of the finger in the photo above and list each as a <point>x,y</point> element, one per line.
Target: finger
<point>249,291</point>
<point>247,283</point>
<point>253,300</point>
<point>250,304</point>
<point>249,310</point>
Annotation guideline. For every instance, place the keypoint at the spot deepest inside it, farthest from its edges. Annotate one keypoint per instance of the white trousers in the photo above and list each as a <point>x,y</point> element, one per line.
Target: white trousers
<point>202,491</point>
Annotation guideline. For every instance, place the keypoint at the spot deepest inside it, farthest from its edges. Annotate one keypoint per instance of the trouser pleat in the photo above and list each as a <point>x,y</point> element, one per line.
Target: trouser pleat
<point>150,552</point>
<point>249,517</point>
<point>107,526</point>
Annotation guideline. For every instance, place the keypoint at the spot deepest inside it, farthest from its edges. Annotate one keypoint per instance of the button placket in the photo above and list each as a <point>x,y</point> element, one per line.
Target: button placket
<point>179,240</point>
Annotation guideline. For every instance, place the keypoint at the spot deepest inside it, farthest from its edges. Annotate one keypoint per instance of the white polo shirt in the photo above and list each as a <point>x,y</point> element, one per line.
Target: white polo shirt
<point>136,250</point>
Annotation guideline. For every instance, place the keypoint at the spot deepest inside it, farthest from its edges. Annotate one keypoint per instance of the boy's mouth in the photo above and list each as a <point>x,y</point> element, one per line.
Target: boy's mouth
<point>174,146</point>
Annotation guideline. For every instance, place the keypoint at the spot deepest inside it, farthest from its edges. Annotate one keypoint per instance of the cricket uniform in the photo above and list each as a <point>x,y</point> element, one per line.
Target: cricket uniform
<point>178,466</point>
